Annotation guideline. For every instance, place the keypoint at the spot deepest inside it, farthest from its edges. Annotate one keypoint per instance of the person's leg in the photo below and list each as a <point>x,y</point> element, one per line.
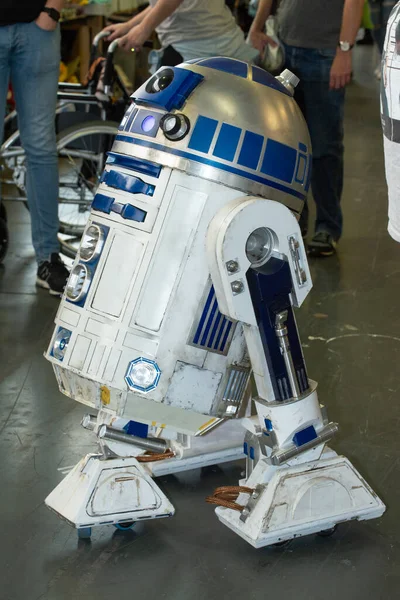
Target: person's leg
<point>324,112</point>
<point>376,12</point>
<point>5,33</point>
<point>34,76</point>
<point>290,58</point>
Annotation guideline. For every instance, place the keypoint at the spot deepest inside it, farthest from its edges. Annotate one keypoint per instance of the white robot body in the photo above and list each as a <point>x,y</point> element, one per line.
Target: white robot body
<point>145,303</point>
<point>183,288</point>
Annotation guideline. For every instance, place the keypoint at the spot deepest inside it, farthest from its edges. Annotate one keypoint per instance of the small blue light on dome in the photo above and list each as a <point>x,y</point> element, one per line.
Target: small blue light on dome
<point>148,123</point>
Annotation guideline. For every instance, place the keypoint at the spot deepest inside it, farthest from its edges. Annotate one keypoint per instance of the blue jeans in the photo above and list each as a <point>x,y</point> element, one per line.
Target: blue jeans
<point>323,110</point>
<point>30,59</point>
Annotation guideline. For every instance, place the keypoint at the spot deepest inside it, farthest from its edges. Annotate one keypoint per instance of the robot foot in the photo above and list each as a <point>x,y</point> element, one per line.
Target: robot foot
<point>108,492</point>
<point>298,500</point>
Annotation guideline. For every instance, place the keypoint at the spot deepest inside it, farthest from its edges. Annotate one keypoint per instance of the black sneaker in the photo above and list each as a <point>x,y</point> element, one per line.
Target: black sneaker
<point>322,244</point>
<point>52,275</point>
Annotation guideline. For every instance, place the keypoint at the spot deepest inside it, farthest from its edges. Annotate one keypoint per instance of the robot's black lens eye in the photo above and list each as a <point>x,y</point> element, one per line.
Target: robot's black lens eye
<point>160,81</point>
<point>175,126</point>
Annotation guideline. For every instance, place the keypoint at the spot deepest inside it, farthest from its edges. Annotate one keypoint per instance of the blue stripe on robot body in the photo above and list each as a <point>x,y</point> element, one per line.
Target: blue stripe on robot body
<point>241,69</point>
<point>135,164</point>
<point>213,329</point>
<point>212,163</point>
<point>127,183</point>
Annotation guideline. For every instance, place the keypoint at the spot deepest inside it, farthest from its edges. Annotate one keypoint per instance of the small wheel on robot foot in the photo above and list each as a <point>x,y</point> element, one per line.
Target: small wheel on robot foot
<point>327,532</point>
<point>124,526</point>
<point>84,533</point>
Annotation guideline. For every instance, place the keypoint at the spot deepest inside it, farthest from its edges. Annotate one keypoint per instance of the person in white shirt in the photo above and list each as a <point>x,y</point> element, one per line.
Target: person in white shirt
<point>192,28</point>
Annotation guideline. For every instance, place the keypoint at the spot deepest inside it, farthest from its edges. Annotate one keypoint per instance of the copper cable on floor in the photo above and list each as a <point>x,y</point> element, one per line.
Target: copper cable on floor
<point>227,494</point>
<point>149,457</point>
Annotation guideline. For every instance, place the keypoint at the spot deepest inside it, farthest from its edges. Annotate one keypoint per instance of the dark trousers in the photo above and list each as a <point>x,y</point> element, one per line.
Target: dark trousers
<point>323,110</point>
<point>380,12</point>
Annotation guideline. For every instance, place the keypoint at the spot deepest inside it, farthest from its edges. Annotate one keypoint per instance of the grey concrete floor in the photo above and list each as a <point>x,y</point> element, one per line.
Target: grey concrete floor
<point>351,333</point>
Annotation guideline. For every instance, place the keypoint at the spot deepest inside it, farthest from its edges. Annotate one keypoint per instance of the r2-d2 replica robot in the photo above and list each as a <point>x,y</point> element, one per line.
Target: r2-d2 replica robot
<point>182,295</point>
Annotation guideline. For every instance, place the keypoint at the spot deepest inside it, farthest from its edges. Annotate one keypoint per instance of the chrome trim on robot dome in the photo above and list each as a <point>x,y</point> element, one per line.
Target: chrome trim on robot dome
<point>210,173</point>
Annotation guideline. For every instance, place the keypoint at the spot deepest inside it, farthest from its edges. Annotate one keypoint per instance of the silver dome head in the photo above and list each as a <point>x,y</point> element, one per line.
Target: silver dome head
<point>223,120</point>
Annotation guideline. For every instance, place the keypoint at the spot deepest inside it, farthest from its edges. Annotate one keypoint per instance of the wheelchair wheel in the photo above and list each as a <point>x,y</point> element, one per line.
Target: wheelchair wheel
<point>82,151</point>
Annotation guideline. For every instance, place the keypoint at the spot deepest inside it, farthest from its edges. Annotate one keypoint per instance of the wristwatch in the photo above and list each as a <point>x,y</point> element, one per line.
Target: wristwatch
<point>345,46</point>
<point>53,13</point>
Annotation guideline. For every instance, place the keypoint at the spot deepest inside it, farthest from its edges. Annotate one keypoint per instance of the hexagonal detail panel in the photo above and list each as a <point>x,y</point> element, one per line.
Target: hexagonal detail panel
<point>142,374</point>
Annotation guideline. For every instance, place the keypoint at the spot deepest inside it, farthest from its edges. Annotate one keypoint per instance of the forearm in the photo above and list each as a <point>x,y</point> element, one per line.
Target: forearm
<point>139,18</point>
<point>351,20</point>
<point>161,11</point>
<point>263,12</point>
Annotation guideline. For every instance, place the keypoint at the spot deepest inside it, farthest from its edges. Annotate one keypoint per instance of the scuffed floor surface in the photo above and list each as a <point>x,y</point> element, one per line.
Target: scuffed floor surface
<point>351,333</point>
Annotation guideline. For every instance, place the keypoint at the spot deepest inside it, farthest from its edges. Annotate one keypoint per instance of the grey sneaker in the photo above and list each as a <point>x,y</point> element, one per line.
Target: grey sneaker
<point>322,244</point>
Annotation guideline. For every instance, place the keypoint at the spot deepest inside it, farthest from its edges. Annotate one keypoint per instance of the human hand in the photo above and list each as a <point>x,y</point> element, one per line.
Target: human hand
<point>259,40</point>
<point>135,38</point>
<point>341,70</point>
<point>117,30</point>
<point>45,22</point>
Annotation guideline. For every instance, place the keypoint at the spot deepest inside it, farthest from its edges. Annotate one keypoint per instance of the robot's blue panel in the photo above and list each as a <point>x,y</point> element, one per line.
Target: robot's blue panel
<point>265,78</point>
<point>103,203</point>
<point>203,134</point>
<point>227,141</point>
<point>213,163</point>
<point>301,169</point>
<point>251,453</point>
<point>250,150</point>
<point>270,287</point>
<point>214,330</point>
<point>302,147</point>
<point>245,448</point>
<point>279,161</point>
<point>107,204</point>
<point>129,121</point>
<point>224,333</point>
<point>268,424</point>
<point>228,65</point>
<point>127,183</point>
<point>129,212</point>
<point>136,428</point>
<point>173,95</point>
<point>129,162</point>
<point>304,436</point>
<point>146,123</point>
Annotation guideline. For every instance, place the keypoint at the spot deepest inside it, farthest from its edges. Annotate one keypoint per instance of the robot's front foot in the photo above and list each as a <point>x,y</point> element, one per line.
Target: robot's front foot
<point>117,491</point>
<point>310,498</point>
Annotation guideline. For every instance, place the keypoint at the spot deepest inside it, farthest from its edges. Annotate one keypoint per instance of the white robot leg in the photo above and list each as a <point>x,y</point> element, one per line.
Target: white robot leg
<point>294,485</point>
